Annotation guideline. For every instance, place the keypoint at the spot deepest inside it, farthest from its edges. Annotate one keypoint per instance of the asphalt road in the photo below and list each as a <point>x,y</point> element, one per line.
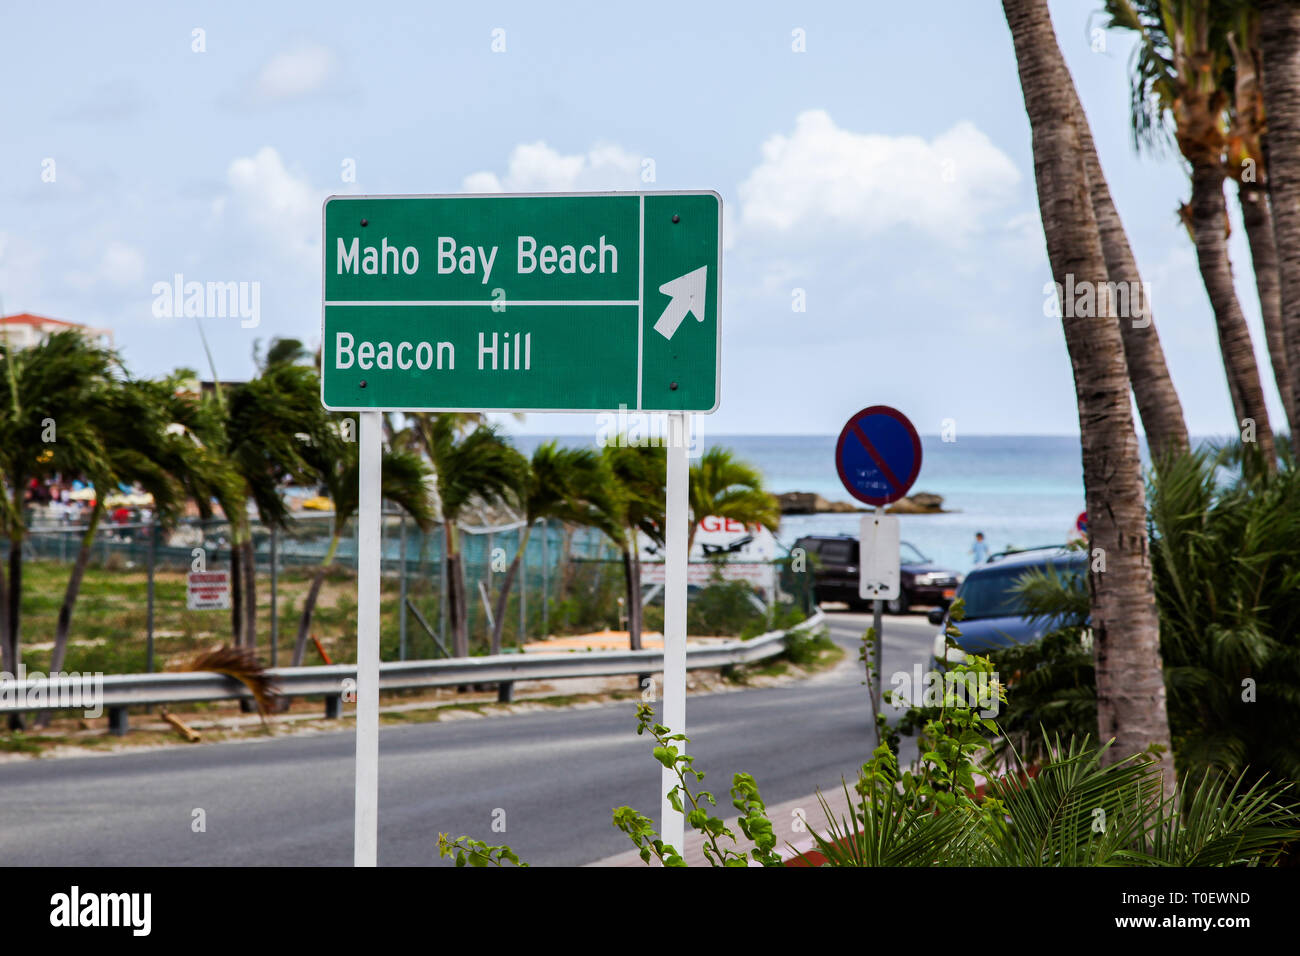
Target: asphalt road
<point>555,774</point>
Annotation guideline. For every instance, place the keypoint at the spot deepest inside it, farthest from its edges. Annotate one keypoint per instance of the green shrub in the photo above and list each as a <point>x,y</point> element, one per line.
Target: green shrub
<point>804,648</point>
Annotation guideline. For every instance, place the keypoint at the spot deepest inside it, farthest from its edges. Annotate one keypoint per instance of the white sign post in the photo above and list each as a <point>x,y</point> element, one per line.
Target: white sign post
<point>677,516</point>
<point>366,837</point>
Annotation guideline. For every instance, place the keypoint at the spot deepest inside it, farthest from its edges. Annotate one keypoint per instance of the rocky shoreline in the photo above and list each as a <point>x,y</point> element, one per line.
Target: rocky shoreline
<point>810,503</point>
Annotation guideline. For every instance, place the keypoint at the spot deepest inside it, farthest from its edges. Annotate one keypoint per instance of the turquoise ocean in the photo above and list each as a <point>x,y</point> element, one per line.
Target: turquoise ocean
<point>1021,491</point>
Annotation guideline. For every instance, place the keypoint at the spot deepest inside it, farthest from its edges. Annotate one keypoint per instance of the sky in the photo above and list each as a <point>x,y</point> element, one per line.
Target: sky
<point>874,162</point>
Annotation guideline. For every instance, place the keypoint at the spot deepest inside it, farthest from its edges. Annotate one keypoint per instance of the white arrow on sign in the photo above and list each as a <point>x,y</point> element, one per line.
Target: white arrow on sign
<point>688,297</point>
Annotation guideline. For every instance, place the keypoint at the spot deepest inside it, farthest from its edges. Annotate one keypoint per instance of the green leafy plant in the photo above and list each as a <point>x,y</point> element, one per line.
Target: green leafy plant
<point>475,852</point>
<point>753,822</point>
<point>959,805</point>
<point>1225,557</point>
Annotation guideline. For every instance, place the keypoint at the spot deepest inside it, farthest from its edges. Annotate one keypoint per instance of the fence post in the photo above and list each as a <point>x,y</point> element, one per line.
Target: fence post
<point>401,602</point>
<point>117,721</point>
<point>546,571</point>
<point>442,587</point>
<point>470,590</point>
<point>275,581</point>
<point>523,588</point>
<point>153,538</point>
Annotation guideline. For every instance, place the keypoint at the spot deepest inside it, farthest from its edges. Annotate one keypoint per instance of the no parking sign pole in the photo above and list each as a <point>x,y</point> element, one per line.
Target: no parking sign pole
<point>878,457</point>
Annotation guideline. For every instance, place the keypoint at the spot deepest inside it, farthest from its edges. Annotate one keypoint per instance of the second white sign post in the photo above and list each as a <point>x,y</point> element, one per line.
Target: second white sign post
<point>677,515</point>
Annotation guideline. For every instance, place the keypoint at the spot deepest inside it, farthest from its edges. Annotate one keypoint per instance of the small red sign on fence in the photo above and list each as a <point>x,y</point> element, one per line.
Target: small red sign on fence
<point>208,590</point>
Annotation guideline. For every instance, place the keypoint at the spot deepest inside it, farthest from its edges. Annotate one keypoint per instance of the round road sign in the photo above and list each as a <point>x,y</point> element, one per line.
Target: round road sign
<point>878,455</point>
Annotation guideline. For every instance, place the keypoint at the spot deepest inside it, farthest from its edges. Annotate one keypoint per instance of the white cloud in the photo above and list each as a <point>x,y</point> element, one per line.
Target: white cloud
<point>122,264</point>
<point>298,72</point>
<point>284,208</point>
<point>822,176</point>
<point>536,167</point>
<point>20,273</point>
<point>119,264</point>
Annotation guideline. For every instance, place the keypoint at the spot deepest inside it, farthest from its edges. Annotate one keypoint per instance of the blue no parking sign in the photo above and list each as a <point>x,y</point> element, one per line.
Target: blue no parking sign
<point>878,455</point>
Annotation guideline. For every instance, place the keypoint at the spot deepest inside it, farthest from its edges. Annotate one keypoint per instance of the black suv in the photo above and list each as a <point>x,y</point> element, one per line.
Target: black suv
<point>833,558</point>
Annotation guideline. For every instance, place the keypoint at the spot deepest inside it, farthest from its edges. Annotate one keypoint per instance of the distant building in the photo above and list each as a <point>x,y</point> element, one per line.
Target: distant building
<point>24,330</point>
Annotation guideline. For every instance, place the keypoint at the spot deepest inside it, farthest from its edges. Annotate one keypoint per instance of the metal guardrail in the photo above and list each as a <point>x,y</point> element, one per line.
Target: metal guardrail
<point>116,692</point>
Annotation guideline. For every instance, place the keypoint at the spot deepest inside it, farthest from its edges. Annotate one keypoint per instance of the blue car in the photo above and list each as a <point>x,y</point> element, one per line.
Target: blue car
<point>994,616</point>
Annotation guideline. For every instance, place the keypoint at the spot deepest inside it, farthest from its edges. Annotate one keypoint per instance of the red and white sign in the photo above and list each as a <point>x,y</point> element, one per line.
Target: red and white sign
<point>739,552</point>
<point>208,591</point>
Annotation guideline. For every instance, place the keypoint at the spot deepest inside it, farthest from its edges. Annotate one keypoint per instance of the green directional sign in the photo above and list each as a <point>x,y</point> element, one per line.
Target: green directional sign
<point>546,302</point>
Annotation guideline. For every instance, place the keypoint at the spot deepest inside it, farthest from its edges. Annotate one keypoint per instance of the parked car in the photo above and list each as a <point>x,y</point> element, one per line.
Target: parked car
<point>994,615</point>
<point>833,558</point>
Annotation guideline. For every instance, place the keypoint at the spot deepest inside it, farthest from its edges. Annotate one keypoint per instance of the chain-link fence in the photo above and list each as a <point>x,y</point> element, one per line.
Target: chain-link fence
<point>132,615</point>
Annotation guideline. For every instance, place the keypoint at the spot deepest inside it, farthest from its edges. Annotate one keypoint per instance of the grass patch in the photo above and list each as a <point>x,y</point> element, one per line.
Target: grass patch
<point>22,744</point>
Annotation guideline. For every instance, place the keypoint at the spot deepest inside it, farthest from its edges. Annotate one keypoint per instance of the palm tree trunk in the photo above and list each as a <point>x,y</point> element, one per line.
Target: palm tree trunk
<point>457,616</point>
<point>4,619</point>
<point>250,590</point>
<point>635,613</point>
<point>1209,229</point>
<point>1258,220</point>
<point>236,590</point>
<point>13,657</point>
<point>1153,388</point>
<point>566,563</point>
<point>1126,628</point>
<point>1279,37</point>
<point>503,595</point>
<point>313,595</point>
<point>64,625</point>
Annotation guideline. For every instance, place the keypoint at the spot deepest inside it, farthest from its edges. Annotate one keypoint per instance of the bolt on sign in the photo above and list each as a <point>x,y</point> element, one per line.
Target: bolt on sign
<point>501,302</point>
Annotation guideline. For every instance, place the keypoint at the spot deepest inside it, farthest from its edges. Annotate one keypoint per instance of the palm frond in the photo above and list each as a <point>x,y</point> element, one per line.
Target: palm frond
<point>240,663</point>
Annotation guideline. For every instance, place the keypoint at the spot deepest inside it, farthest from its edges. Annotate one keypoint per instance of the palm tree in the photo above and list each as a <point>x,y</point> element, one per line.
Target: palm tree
<point>281,351</point>
<point>138,443</point>
<point>403,480</point>
<point>269,426</point>
<point>567,484</point>
<point>1153,388</point>
<point>1048,819</point>
<point>47,426</point>
<point>723,487</point>
<point>1126,630</point>
<point>468,467</point>
<point>1180,66</point>
<point>1279,43</point>
<point>147,435</point>
<point>1247,164</point>
<point>638,479</point>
